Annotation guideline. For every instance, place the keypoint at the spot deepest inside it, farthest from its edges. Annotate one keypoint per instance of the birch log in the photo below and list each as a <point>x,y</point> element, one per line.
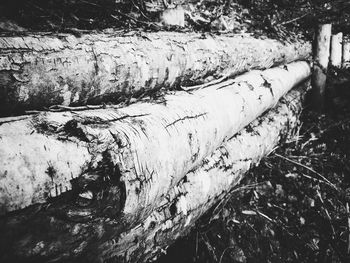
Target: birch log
<point>38,71</point>
<point>336,50</point>
<point>321,58</point>
<point>146,147</point>
<point>64,231</point>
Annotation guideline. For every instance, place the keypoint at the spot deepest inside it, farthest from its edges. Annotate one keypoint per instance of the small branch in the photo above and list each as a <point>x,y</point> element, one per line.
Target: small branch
<point>56,108</point>
<point>307,168</point>
<point>12,119</point>
<point>315,179</point>
<point>223,253</point>
<point>326,211</point>
<point>294,19</point>
<point>205,85</point>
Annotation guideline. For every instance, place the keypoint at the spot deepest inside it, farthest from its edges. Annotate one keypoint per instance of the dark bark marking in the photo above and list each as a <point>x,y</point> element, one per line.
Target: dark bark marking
<point>51,171</point>
<point>227,85</point>
<point>186,118</point>
<point>73,128</point>
<point>267,84</point>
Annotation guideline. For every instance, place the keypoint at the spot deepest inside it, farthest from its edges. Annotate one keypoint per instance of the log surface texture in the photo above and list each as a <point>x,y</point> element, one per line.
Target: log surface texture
<point>68,229</point>
<point>38,71</point>
<point>114,183</point>
<point>147,146</point>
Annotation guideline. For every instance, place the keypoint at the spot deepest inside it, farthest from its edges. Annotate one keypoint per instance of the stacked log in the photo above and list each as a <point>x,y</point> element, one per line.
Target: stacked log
<point>123,183</point>
<point>38,71</point>
<point>159,140</point>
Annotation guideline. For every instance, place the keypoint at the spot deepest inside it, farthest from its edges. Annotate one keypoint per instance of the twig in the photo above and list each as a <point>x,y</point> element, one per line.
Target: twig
<point>315,179</point>
<point>225,198</point>
<point>294,19</point>
<point>13,119</point>
<point>55,108</point>
<point>209,247</point>
<point>307,168</point>
<point>205,85</point>
<point>223,253</point>
<point>265,216</point>
<point>326,211</point>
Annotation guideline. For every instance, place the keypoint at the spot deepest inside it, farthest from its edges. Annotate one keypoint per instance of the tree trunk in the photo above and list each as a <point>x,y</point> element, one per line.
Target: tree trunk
<point>66,230</point>
<point>148,146</point>
<point>38,71</point>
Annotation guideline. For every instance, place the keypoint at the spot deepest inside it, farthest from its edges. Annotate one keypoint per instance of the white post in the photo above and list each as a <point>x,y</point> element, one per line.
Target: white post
<point>336,50</point>
<point>346,53</point>
<point>173,16</point>
<point>321,57</point>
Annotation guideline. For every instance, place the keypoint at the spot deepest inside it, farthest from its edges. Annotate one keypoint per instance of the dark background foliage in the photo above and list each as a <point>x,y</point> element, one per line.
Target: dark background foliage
<point>60,15</point>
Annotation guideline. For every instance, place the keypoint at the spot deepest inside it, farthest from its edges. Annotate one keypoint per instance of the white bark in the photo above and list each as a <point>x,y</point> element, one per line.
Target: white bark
<point>321,58</point>
<point>346,53</point>
<point>92,235</point>
<point>336,50</point>
<point>174,16</point>
<point>323,42</point>
<point>209,184</point>
<point>152,144</point>
<point>38,71</point>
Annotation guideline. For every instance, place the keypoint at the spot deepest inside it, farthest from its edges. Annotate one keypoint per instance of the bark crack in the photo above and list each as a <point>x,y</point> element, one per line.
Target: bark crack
<point>186,118</point>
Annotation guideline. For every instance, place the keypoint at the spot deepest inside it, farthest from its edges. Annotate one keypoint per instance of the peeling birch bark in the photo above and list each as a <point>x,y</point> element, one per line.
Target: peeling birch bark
<point>38,71</point>
<point>146,147</point>
<point>336,50</point>
<point>210,184</point>
<point>62,230</point>
<point>321,58</point>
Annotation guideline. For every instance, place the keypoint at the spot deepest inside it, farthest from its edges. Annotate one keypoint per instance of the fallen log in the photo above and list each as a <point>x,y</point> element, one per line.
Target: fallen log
<point>51,233</point>
<point>37,71</point>
<point>146,148</point>
<point>208,185</point>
